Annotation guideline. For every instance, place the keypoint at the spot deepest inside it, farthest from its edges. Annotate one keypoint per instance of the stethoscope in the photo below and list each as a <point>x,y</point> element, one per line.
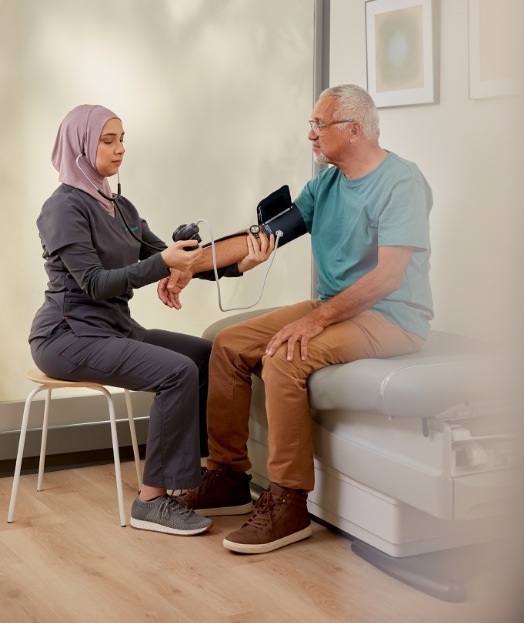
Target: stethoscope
<point>255,229</point>
<point>114,199</point>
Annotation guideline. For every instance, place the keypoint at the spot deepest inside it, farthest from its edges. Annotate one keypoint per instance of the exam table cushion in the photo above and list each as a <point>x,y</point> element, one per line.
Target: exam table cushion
<point>449,369</point>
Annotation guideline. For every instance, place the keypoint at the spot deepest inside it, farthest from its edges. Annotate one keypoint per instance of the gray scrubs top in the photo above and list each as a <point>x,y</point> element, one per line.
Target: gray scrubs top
<point>93,263</point>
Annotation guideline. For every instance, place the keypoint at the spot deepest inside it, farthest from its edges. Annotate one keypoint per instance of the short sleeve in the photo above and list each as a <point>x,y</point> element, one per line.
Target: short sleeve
<point>63,220</point>
<point>305,203</point>
<point>404,219</point>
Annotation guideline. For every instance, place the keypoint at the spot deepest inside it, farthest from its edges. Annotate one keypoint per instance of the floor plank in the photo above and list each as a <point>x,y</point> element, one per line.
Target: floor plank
<point>66,559</point>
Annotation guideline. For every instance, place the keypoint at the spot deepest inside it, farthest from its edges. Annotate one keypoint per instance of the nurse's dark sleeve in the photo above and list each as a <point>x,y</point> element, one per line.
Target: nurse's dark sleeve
<point>227,271</point>
<point>149,237</point>
<point>82,261</point>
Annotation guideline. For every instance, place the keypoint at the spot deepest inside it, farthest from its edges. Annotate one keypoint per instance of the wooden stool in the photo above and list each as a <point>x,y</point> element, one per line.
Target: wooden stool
<point>47,383</point>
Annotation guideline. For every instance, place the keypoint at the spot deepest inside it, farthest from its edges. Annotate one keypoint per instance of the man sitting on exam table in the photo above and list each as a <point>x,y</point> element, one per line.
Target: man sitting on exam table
<point>368,220</point>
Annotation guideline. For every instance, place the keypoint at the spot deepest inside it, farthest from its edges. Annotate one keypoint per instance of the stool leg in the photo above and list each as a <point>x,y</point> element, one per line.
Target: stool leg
<point>41,463</point>
<point>116,454</point>
<point>21,444</point>
<point>133,438</point>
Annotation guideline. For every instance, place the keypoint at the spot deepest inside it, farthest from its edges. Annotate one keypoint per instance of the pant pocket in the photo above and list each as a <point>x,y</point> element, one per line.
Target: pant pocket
<point>101,354</point>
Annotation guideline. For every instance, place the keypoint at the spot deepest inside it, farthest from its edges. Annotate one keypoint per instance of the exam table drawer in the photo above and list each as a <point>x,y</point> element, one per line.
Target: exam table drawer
<point>488,493</point>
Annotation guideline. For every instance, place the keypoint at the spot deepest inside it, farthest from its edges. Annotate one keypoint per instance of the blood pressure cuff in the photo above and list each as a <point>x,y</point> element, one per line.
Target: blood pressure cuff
<point>278,213</point>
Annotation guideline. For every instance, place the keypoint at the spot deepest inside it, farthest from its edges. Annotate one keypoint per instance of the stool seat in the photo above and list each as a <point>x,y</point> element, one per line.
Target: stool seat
<point>37,376</point>
<point>48,384</point>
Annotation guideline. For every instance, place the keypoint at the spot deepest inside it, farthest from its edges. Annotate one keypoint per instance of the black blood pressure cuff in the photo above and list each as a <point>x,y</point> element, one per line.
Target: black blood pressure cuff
<point>278,213</point>
<point>227,271</point>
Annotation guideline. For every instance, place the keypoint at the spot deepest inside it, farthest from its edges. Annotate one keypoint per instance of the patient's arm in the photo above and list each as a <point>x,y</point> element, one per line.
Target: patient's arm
<point>238,254</point>
<point>228,252</point>
<point>247,251</point>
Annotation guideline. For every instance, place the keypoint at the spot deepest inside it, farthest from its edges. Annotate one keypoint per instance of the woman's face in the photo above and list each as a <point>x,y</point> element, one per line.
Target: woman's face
<point>110,150</point>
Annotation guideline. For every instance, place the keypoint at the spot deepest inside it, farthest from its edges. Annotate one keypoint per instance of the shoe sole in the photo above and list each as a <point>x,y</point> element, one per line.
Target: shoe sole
<point>155,527</point>
<point>225,510</point>
<point>263,548</point>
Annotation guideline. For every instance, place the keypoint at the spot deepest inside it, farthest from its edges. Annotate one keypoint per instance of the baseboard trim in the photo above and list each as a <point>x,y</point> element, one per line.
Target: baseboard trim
<point>70,460</point>
<point>72,439</point>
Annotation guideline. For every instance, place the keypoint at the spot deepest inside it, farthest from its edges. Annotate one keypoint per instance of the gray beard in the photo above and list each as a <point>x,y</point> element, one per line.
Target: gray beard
<point>320,158</point>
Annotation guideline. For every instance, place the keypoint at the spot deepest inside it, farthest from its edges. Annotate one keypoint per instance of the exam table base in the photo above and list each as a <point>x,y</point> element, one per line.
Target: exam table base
<point>444,574</point>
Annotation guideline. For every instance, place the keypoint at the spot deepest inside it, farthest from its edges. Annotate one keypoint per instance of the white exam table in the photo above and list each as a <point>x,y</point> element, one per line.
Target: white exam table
<point>413,454</point>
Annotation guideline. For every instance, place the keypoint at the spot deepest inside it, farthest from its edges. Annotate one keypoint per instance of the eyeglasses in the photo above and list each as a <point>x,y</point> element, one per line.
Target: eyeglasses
<point>317,127</point>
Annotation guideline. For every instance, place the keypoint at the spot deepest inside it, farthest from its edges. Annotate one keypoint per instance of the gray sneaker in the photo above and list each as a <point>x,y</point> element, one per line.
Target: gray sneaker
<point>165,514</point>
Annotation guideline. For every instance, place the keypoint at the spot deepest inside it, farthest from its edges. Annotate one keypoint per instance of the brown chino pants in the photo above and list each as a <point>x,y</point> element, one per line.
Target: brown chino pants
<point>239,348</point>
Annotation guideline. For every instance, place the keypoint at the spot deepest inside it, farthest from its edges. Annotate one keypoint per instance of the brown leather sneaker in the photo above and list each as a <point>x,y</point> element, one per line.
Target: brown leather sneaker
<point>223,491</point>
<point>281,519</point>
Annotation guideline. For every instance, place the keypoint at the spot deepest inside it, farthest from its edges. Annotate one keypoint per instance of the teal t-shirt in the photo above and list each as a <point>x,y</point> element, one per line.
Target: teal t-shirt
<point>349,219</point>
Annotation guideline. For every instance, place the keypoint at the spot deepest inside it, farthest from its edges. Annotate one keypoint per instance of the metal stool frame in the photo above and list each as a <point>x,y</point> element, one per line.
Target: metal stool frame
<point>48,384</point>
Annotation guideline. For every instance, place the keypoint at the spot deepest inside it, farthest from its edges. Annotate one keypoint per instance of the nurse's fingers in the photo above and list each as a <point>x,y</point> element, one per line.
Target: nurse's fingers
<point>163,292</point>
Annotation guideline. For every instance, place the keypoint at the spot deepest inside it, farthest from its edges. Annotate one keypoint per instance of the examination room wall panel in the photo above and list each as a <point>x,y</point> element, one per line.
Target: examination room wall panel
<point>472,153</point>
<point>215,98</point>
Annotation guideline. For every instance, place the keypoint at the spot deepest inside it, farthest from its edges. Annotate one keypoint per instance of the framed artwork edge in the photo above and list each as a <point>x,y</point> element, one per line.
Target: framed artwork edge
<point>479,89</point>
<point>430,93</point>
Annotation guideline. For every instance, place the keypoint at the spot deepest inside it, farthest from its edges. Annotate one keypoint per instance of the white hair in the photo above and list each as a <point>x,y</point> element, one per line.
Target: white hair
<point>353,102</point>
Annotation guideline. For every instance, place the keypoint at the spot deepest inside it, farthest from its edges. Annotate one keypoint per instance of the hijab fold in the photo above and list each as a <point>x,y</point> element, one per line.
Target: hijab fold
<point>79,133</point>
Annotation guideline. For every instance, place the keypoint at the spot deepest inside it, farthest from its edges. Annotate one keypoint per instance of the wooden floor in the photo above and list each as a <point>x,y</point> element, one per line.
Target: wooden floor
<point>66,559</point>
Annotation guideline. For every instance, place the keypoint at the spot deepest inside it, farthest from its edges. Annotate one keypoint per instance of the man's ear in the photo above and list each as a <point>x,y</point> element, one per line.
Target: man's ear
<point>355,131</point>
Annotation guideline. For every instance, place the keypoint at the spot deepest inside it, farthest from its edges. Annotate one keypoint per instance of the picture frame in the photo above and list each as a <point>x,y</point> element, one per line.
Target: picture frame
<point>403,45</point>
<point>495,60</point>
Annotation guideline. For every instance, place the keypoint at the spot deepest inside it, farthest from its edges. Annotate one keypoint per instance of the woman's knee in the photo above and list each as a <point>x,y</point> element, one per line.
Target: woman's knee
<point>186,369</point>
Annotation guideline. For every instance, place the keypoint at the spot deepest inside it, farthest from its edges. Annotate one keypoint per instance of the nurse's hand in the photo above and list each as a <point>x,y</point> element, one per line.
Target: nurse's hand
<point>258,250</point>
<point>167,296</point>
<point>175,256</point>
<point>169,288</point>
<point>176,283</point>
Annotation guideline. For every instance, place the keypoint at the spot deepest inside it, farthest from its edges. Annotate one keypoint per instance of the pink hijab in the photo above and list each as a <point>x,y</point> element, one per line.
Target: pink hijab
<point>79,133</point>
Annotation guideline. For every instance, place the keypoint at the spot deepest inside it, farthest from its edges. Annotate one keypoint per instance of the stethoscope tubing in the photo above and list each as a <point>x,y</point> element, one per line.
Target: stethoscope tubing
<point>114,199</point>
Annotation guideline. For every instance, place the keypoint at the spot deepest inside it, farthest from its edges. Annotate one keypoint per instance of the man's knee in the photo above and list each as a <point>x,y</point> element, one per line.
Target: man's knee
<point>278,366</point>
<point>230,342</point>
<point>227,343</point>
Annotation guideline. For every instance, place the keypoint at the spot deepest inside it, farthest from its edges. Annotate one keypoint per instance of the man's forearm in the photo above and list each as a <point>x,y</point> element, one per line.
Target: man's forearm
<point>371,288</point>
<point>363,294</point>
<point>228,252</point>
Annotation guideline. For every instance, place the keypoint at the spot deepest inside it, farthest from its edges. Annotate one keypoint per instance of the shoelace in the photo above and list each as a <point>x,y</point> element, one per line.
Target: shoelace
<point>169,506</point>
<point>265,504</point>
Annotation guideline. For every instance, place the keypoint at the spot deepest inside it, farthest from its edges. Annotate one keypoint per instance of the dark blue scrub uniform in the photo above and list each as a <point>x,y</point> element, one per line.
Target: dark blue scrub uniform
<point>84,330</point>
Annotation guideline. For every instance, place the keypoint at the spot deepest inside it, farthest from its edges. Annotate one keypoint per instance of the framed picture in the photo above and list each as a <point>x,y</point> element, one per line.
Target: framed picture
<point>402,38</point>
<point>496,50</point>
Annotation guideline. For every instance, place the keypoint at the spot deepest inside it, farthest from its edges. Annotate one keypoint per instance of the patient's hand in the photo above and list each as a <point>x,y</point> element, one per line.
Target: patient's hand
<point>302,330</point>
<point>259,249</point>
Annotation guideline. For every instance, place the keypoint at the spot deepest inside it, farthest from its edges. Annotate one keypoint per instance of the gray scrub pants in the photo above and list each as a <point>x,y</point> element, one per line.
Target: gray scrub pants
<point>173,365</point>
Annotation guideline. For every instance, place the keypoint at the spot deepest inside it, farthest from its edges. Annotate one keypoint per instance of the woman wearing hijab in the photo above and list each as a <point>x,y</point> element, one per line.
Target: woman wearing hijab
<point>84,330</point>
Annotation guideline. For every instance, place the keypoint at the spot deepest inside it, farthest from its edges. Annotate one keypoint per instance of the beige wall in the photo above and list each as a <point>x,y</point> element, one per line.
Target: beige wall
<point>472,153</point>
<point>215,98</point>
